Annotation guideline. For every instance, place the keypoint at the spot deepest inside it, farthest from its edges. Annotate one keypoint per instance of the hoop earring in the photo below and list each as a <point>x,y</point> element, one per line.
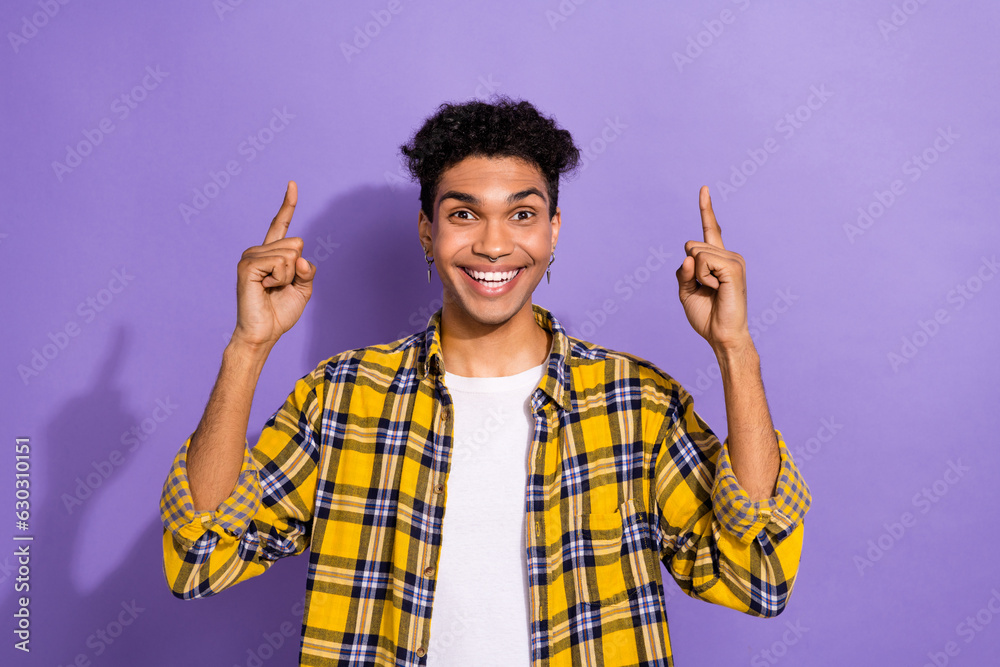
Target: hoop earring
<point>548,270</point>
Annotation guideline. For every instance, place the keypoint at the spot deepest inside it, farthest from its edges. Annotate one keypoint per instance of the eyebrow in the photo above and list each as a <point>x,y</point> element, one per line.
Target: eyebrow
<point>472,200</point>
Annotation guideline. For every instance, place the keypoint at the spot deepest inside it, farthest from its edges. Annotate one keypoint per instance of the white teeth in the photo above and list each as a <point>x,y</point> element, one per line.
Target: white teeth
<point>500,277</point>
<point>493,275</point>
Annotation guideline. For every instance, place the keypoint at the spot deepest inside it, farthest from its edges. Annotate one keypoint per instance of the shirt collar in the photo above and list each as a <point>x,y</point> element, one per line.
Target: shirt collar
<point>554,384</point>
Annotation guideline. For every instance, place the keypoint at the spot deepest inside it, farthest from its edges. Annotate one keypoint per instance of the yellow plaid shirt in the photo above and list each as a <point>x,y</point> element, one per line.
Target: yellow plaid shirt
<point>622,475</point>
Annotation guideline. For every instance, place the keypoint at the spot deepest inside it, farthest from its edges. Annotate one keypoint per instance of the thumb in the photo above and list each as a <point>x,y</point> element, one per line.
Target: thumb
<point>686,284</point>
<point>305,271</point>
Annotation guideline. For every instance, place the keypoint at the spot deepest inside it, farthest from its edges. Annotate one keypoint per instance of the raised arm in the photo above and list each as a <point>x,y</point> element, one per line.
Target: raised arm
<point>274,283</point>
<point>224,517</point>
<point>732,534</point>
<point>712,286</point>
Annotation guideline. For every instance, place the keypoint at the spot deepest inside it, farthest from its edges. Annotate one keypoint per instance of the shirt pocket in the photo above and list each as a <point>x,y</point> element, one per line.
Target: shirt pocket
<point>606,559</point>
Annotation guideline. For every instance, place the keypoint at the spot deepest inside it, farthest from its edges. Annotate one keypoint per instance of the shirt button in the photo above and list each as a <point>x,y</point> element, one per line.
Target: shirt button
<point>428,571</point>
<point>421,652</point>
<point>439,488</point>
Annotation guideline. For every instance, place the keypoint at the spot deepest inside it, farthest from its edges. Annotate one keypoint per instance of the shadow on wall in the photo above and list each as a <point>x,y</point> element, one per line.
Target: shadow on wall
<point>131,618</point>
<point>370,288</point>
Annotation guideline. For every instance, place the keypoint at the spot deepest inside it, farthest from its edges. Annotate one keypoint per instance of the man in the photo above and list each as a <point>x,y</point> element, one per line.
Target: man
<point>569,471</point>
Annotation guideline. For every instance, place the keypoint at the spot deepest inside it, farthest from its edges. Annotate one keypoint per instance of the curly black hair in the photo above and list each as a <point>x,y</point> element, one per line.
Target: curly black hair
<point>502,128</point>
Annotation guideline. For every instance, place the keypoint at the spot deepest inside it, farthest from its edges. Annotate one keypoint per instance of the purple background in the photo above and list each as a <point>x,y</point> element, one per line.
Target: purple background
<point>832,303</point>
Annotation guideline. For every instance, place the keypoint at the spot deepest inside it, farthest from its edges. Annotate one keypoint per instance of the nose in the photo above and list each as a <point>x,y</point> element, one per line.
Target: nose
<point>495,240</point>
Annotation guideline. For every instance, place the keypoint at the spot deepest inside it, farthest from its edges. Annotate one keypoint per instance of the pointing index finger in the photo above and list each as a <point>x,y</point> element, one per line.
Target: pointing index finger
<point>279,225</point>
<point>709,225</point>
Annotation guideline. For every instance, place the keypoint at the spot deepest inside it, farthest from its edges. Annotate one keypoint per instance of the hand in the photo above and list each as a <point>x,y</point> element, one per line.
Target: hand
<point>274,281</point>
<point>712,285</point>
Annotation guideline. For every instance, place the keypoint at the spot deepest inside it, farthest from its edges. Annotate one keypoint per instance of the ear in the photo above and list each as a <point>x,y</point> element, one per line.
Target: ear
<point>424,232</point>
<point>556,222</point>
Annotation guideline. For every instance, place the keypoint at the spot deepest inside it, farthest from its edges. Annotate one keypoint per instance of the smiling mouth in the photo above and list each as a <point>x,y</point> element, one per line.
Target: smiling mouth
<point>492,278</point>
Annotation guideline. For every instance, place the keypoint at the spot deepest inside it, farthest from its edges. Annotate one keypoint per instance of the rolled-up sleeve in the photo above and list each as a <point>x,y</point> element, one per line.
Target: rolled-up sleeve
<point>716,543</point>
<point>231,518</point>
<point>778,515</point>
<point>268,514</point>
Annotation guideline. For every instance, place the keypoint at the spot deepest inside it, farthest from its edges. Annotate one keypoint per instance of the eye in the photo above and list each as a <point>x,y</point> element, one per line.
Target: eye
<point>462,214</point>
<point>524,215</point>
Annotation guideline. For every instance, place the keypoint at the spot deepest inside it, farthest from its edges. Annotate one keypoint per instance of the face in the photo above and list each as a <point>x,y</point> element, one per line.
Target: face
<point>490,207</point>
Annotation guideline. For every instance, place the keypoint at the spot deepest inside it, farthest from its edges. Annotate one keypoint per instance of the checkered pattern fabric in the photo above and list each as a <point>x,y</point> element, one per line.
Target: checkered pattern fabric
<point>622,475</point>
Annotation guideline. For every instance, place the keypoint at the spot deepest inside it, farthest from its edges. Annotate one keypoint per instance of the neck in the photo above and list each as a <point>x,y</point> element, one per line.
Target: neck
<point>473,349</point>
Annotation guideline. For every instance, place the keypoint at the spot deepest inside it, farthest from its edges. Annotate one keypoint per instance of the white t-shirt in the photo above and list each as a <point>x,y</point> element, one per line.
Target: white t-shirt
<point>480,612</point>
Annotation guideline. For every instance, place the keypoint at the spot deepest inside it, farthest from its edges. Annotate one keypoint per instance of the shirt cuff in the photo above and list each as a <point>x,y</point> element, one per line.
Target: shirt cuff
<point>778,514</point>
<point>231,517</point>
